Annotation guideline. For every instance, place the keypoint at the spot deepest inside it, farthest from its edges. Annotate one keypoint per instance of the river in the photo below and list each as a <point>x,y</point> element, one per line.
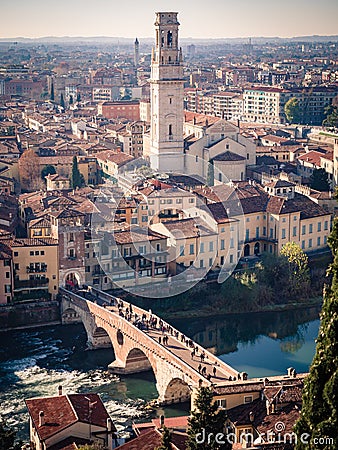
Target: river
<point>35,362</point>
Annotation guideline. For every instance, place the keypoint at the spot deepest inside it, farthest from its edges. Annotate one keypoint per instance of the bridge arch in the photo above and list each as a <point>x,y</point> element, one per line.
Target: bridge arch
<point>177,391</point>
<point>137,361</point>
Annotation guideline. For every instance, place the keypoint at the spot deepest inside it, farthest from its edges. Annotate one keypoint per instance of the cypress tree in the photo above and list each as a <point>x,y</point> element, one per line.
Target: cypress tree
<point>165,440</point>
<point>62,101</point>
<point>319,418</point>
<point>206,419</point>
<point>52,97</point>
<point>76,177</point>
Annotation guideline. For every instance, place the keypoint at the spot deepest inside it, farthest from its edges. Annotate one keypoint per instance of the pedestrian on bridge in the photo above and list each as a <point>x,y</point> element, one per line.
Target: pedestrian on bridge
<point>159,340</point>
<point>214,371</point>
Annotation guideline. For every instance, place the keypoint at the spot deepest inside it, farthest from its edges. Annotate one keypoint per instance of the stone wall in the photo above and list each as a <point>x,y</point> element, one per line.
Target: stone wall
<point>29,314</point>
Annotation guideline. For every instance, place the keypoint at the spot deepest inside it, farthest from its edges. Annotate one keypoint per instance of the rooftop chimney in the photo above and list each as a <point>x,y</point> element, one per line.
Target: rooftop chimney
<point>109,424</point>
<point>161,421</point>
<point>60,390</point>
<point>41,418</point>
<point>251,416</point>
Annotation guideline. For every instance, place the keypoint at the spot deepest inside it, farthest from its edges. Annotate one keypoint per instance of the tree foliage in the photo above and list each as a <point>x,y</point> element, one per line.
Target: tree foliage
<point>331,114</point>
<point>292,110</point>
<point>299,274</point>
<point>7,438</point>
<point>206,417</point>
<point>94,446</point>
<point>29,170</point>
<point>319,417</point>
<point>52,95</point>
<point>211,174</point>
<point>47,170</point>
<point>62,101</point>
<point>165,440</point>
<point>319,180</point>
<point>77,179</point>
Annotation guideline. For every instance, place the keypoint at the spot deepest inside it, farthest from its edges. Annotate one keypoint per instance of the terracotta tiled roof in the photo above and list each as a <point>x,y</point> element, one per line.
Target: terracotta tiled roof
<point>311,157</point>
<point>64,410</point>
<point>136,234</point>
<point>228,156</point>
<point>152,439</point>
<point>34,242</point>
<point>188,228</point>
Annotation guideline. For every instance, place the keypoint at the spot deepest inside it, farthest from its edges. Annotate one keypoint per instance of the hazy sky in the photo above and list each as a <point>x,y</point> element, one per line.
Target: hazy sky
<point>198,18</point>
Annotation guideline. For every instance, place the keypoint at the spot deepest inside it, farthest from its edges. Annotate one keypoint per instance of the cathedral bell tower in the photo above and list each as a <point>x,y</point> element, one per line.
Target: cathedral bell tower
<point>166,87</point>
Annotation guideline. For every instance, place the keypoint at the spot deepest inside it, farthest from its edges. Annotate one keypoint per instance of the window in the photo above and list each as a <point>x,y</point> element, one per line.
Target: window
<point>127,251</point>
<point>42,252</point>
<point>210,262</point>
<point>142,249</point>
<point>303,245</point>
<point>31,253</point>
<point>310,243</point>
<point>325,240</point>
<point>283,233</point>
<point>248,399</point>
<point>72,253</point>
<point>201,264</point>
<point>191,249</point>
<point>232,243</point>
<point>319,227</point>
<point>16,254</point>
<point>326,225</point>
<point>211,246</point>
<point>223,229</point>
<point>221,403</point>
<point>247,234</point>
<point>257,232</point>
<point>303,229</point>
<point>7,274</point>
<point>182,250</point>
<point>222,244</point>
<point>310,228</point>
<point>202,247</point>
<point>7,288</point>
<point>264,231</point>
<point>231,259</point>
<point>16,266</point>
<point>284,219</point>
<point>294,231</point>
<point>71,237</point>
<point>271,233</point>
<point>318,241</point>
<point>144,219</point>
<point>37,253</point>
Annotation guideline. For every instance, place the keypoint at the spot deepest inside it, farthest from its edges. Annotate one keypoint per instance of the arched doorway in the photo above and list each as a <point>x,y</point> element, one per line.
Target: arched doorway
<point>257,248</point>
<point>247,250</point>
<point>72,281</point>
<point>177,392</point>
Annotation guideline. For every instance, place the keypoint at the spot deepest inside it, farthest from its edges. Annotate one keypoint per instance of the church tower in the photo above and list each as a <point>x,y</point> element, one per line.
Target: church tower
<point>136,52</point>
<point>166,87</point>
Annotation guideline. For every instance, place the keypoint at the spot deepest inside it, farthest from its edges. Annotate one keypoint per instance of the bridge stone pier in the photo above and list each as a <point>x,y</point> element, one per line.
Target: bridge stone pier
<point>137,350</point>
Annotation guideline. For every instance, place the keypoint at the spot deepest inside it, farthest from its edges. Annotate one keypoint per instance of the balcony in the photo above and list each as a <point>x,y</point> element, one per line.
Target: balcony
<point>37,269</point>
<point>41,283</point>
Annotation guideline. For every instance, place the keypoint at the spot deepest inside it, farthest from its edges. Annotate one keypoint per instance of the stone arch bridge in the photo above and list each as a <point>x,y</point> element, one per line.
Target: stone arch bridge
<point>176,371</point>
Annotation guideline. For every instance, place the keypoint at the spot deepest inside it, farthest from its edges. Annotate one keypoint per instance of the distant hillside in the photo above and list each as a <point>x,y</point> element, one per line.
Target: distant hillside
<point>127,41</point>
